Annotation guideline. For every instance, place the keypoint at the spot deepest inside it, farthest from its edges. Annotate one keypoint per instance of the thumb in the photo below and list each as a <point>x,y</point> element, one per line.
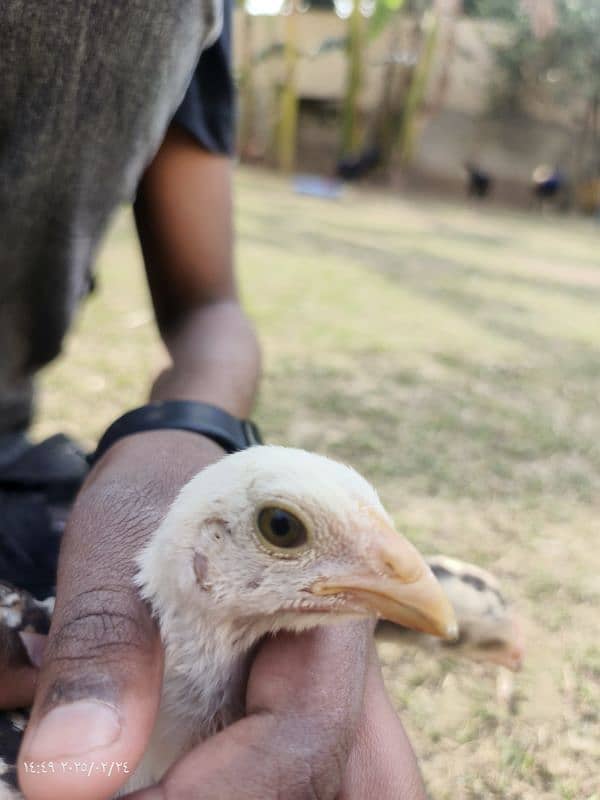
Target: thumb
<point>99,684</point>
<point>97,699</point>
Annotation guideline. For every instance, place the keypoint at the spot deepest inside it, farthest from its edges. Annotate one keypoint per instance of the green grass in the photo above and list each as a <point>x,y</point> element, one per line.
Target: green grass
<point>452,354</point>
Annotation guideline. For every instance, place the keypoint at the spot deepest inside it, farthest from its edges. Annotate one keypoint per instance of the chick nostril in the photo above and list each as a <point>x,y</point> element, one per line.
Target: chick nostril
<point>390,567</point>
<point>393,568</point>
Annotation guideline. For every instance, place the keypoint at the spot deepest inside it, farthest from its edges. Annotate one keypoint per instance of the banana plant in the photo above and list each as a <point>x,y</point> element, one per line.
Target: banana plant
<point>287,128</point>
<point>355,46</point>
<point>418,87</point>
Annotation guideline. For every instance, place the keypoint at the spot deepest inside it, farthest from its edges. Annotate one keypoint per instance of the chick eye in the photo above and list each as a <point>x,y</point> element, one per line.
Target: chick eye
<point>281,528</point>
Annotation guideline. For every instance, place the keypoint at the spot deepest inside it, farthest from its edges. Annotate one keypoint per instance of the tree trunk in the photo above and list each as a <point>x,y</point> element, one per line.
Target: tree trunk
<point>418,88</point>
<point>382,132</point>
<point>354,54</point>
<point>288,101</point>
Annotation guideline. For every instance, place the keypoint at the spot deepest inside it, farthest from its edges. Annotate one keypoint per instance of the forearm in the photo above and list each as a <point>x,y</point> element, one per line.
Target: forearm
<point>183,214</point>
<point>214,358</point>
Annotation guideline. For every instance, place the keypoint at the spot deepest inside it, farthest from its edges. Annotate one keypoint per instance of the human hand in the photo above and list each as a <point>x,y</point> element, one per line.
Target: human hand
<point>99,686</point>
<point>103,669</point>
<point>310,730</point>
<point>17,674</point>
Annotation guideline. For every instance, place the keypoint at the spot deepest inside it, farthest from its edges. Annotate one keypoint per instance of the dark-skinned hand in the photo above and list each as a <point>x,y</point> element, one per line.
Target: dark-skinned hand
<point>318,723</point>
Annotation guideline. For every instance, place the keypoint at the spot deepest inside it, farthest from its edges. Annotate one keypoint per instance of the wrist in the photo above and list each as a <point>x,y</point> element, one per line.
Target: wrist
<point>215,358</point>
<point>164,457</point>
<point>204,419</point>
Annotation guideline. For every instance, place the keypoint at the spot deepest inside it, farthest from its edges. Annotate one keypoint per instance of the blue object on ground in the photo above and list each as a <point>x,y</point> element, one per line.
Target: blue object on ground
<point>317,186</point>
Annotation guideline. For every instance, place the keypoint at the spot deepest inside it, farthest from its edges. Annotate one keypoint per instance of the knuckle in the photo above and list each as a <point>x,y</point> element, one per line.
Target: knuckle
<point>174,791</point>
<point>113,521</point>
<point>307,781</point>
<point>325,779</point>
<point>100,623</point>
<point>315,765</point>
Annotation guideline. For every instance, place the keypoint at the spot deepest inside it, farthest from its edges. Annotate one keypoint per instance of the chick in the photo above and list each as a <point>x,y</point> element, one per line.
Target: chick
<point>264,540</point>
<point>488,628</point>
<point>267,539</point>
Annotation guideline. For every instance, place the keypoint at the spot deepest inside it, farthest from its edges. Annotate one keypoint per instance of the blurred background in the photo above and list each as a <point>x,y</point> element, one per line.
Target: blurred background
<point>418,245</point>
<point>500,95</point>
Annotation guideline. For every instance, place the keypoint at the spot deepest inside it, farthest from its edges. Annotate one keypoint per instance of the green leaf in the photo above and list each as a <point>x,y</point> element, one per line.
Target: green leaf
<point>383,13</point>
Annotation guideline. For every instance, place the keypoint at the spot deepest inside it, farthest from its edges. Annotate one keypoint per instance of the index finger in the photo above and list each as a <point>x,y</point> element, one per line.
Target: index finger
<point>17,674</point>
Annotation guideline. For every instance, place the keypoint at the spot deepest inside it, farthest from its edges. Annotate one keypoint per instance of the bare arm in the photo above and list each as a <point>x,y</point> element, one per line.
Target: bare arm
<point>184,218</point>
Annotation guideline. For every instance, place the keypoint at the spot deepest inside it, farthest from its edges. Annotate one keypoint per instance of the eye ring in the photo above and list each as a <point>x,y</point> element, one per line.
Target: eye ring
<point>281,529</point>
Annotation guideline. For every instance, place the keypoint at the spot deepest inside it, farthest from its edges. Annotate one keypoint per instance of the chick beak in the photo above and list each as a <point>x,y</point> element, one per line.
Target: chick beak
<point>397,586</point>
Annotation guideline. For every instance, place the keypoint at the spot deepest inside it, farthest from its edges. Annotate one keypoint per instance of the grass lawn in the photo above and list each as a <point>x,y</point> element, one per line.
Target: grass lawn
<point>452,355</point>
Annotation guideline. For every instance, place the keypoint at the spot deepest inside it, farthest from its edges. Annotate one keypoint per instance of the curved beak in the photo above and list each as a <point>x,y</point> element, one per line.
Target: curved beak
<point>394,583</point>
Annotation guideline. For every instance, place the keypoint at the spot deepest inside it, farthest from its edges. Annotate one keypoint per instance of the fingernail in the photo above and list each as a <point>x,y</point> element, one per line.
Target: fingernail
<point>74,730</point>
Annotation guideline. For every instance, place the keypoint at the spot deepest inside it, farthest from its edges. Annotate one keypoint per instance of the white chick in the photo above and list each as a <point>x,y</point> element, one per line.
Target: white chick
<point>267,539</point>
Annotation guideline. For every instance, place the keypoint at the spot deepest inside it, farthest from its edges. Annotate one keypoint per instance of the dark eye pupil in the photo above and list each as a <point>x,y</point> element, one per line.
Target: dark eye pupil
<point>281,528</point>
<point>280,523</point>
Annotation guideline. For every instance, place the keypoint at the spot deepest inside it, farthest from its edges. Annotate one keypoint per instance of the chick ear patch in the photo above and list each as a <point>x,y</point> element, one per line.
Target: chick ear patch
<point>201,570</point>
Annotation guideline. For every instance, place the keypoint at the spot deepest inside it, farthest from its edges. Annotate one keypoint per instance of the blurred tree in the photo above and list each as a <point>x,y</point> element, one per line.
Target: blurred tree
<point>288,97</point>
<point>437,16</point>
<point>559,62</point>
<point>563,59</point>
<point>355,47</point>
<point>399,61</point>
<point>541,14</point>
<point>418,86</point>
<point>491,9</point>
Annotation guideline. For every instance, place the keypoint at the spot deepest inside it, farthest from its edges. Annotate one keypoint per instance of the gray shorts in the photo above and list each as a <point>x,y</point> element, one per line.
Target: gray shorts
<point>87,90</point>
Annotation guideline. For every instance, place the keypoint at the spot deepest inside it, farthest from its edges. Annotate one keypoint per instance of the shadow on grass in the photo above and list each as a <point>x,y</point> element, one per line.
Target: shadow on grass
<point>526,435</point>
<point>527,432</point>
<point>415,263</point>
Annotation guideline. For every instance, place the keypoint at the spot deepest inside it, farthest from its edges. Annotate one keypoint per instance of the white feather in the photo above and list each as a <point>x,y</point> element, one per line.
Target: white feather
<point>210,626</point>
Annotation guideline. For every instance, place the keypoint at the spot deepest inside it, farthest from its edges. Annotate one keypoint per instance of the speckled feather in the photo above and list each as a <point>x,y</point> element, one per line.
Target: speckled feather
<point>489,628</point>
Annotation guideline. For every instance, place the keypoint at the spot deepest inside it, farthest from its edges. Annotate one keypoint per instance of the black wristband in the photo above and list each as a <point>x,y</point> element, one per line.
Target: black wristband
<point>229,432</point>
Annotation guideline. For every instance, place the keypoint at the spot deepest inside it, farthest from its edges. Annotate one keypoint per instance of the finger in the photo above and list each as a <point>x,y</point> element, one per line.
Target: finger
<point>321,671</point>
<point>304,699</point>
<point>99,686</point>
<point>382,763</point>
<point>17,687</point>
<point>17,674</point>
